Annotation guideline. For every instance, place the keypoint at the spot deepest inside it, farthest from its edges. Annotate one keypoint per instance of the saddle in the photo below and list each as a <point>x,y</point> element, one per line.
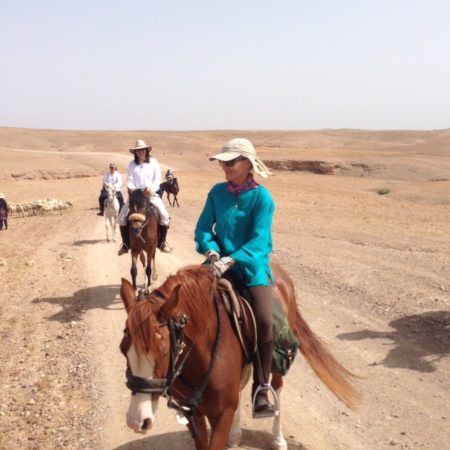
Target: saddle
<point>237,301</point>
<point>242,317</point>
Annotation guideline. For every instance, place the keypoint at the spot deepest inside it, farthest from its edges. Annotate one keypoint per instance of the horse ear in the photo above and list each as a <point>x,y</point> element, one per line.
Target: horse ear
<point>167,308</point>
<point>127,294</point>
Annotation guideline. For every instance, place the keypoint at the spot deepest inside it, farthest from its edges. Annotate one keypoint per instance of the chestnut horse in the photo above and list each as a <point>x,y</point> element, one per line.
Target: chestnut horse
<point>170,188</point>
<point>179,342</point>
<point>143,229</point>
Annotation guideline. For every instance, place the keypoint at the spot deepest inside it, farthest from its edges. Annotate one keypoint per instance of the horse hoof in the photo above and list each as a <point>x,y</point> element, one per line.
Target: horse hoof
<point>278,446</point>
<point>235,439</point>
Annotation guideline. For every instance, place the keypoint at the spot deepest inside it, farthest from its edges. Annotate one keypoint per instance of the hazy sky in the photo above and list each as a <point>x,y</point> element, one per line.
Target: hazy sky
<point>236,64</point>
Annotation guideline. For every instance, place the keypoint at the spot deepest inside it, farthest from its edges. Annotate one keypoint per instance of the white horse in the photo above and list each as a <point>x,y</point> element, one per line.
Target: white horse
<point>111,212</point>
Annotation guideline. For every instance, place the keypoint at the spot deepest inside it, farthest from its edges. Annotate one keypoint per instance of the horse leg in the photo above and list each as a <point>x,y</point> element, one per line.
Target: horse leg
<point>235,436</point>
<point>107,229</point>
<point>201,438</point>
<point>114,228</point>
<point>278,443</point>
<point>148,271</point>
<point>154,272</point>
<point>220,428</point>
<point>175,200</point>
<point>133,270</point>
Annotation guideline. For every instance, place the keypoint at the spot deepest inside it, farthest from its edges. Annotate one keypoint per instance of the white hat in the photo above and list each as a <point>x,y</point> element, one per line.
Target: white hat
<point>242,147</point>
<point>140,144</point>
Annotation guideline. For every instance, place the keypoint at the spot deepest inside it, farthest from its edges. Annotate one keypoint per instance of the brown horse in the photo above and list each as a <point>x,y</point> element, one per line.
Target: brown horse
<point>143,235</point>
<point>179,343</point>
<point>170,188</point>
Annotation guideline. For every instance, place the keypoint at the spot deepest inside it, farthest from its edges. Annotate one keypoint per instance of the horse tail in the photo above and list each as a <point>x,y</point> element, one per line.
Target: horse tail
<point>331,373</point>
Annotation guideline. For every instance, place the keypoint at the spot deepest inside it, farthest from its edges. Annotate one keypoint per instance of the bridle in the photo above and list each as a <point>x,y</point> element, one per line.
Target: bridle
<point>164,386</point>
<point>159,386</point>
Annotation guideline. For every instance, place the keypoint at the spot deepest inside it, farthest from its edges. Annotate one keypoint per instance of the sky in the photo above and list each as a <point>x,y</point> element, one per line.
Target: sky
<point>236,64</point>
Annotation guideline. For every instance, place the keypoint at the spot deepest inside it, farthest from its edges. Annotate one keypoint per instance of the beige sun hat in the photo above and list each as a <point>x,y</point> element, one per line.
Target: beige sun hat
<point>140,144</point>
<point>242,147</point>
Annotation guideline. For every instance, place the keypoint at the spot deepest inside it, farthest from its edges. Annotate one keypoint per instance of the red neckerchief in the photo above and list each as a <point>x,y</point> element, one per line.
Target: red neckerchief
<point>250,183</point>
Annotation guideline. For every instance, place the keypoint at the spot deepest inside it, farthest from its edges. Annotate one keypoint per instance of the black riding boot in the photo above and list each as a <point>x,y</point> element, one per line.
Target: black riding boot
<point>125,233</point>
<point>101,204</point>
<point>162,236</point>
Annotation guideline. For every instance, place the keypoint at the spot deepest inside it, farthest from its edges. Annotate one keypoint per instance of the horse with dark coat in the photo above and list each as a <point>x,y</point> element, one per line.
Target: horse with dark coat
<point>171,188</point>
<point>143,235</point>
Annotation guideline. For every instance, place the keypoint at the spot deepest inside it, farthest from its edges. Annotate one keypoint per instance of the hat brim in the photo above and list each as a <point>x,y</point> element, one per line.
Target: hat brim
<point>226,156</point>
<point>132,150</point>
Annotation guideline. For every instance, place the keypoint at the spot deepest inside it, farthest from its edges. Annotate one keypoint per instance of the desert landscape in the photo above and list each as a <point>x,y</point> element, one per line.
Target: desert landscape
<point>362,224</point>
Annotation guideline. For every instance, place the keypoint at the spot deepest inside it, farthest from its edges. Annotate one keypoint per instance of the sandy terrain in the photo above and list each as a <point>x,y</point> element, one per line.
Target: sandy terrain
<point>368,246</point>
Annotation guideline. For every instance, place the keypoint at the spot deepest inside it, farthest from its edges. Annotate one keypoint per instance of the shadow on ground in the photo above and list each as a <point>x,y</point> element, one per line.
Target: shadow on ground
<point>251,439</point>
<point>419,341</point>
<point>74,307</point>
<point>88,242</point>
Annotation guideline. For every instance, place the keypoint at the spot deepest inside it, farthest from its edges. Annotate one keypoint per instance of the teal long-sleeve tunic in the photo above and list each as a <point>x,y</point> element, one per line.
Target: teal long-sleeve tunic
<point>239,225</point>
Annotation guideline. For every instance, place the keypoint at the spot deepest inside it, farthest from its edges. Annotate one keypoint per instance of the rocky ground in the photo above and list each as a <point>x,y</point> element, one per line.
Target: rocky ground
<point>366,242</point>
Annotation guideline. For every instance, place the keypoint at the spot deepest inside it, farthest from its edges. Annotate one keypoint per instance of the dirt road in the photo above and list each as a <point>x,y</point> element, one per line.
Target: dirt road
<point>371,273</point>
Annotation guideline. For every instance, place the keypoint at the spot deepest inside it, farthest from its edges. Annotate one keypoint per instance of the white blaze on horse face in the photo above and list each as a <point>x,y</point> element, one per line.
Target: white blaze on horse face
<point>142,409</point>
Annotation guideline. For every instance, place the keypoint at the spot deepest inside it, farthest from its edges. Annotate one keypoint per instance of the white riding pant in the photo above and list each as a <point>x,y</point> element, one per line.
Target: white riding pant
<point>156,201</point>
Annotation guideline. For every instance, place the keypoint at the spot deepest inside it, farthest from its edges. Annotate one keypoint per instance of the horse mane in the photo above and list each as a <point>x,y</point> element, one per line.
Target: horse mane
<point>195,300</point>
<point>140,323</point>
<point>138,199</point>
<point>195,297</point>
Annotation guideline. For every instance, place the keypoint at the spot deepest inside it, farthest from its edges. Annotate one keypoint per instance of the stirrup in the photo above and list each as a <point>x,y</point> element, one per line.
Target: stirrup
<point>276,407</point>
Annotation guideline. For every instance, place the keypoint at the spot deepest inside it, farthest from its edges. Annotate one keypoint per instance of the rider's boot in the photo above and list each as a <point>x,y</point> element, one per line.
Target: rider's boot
<point>125,233</point>
<point>162,236</point>
<point>101,202</point>
<point>262,407</point>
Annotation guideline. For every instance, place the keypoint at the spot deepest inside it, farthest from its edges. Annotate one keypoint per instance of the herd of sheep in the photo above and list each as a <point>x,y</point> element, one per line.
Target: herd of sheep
<point>39,207</point>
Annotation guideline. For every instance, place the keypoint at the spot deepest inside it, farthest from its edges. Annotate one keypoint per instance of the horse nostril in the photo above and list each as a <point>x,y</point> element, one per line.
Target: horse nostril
<point>146,425</point>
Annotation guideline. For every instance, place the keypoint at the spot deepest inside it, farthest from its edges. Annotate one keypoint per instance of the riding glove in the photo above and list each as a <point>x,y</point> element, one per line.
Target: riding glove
<point>221,266</point>
<point>211,257</point>
<point>148,191</point>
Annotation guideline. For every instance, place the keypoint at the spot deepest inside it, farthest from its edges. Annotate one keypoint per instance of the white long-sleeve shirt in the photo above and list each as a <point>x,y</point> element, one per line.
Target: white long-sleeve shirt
<point>115,179</point>
<point>144,175</point>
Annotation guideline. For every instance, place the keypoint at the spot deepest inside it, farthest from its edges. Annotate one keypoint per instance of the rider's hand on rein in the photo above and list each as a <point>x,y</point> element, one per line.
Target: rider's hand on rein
<point>148,191</point>
<point>211,257</point>
<point>222,265</point>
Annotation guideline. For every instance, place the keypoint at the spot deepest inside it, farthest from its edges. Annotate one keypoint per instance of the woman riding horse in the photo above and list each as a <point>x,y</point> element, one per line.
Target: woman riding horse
<point>234,233</point>
<point>112,177</point>
<point>144,173</point>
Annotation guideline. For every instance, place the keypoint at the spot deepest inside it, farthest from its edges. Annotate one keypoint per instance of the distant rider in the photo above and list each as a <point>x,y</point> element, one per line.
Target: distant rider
<point>169,176</point>
<point>4,210</point>
<point>112,177</point>
<point>144,172</point>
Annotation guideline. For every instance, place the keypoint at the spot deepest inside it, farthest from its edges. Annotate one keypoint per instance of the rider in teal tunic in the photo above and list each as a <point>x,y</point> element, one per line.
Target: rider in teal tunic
<point>234,233</point>
<point>242,230</point>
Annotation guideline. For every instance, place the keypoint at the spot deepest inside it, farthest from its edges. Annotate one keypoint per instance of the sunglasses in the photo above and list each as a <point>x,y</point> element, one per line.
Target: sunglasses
<point>232,162</point>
